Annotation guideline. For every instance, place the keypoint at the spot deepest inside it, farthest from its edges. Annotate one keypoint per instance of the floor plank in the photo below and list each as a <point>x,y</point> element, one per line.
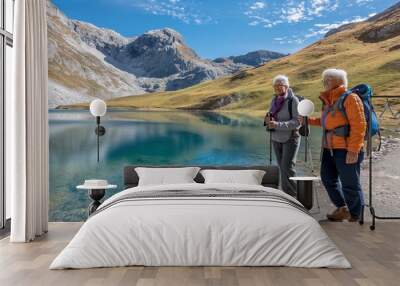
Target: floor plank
<point>375,257</point>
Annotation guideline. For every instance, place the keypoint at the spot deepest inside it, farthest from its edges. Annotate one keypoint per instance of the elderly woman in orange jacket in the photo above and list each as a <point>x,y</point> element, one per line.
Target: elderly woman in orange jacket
<point>343,139</point>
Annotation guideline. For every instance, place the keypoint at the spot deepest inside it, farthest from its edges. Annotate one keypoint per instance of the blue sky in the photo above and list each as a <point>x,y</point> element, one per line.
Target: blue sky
<point>222,27</point>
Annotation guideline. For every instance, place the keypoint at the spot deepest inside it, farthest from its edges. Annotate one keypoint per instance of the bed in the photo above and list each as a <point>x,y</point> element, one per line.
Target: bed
<point>199,224</point>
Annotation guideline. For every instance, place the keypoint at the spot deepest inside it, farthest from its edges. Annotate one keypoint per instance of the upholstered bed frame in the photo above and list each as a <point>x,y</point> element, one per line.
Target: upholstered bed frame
<point>270,179</point>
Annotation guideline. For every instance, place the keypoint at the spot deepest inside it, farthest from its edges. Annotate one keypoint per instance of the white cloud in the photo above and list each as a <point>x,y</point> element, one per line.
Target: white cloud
<point>351,3</point>
<point>293,39</point>
<point>362,1</point>
<point>257,20</point>
<point>184,10</point>
<point>266,23</point>
<point>254,23</point>
<point>322,29</point>
<point>295,14</point>
<point>318,30</point>
<point>318,7</point>
<point>289,11</point>
<point>257,6</point>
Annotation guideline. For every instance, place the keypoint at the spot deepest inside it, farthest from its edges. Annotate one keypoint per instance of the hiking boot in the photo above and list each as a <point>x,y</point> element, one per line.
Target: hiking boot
<point>339,214</point>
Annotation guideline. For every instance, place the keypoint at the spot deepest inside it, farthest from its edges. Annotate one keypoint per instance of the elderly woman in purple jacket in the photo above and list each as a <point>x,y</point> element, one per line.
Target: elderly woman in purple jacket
<point>283,125</point>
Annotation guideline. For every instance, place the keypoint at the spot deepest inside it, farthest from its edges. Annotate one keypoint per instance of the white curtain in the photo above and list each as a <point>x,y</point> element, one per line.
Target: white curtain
<point>27,124</point>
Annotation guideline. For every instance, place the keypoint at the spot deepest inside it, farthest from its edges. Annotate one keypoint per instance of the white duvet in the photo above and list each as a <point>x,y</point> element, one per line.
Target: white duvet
<point>200,231</point>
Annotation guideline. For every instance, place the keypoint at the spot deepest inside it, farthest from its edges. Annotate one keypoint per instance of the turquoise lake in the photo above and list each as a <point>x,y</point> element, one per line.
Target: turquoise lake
<point>148,138</point>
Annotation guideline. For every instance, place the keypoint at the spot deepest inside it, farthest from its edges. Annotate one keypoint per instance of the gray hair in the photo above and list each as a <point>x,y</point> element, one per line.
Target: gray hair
<point>282,79</point>
<point>338,74</point>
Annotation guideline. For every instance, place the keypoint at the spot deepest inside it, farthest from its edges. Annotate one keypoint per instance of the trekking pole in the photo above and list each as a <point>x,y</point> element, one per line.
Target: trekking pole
<point>270,148</point>
<point>371,208</point>
<point>270,140</point>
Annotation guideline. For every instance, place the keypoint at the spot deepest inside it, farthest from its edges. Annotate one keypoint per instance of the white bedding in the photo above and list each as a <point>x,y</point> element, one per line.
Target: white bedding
<point>200,231</point>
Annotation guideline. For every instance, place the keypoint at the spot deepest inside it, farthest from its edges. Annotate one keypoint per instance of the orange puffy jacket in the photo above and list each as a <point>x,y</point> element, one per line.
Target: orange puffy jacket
<point>355,118</point>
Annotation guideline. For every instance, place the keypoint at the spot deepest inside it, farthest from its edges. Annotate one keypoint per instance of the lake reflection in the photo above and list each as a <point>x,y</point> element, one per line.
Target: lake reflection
<point>146,138</point>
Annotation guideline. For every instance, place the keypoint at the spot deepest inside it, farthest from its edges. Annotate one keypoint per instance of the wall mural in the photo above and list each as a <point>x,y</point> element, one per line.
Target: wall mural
<point>168,105</point>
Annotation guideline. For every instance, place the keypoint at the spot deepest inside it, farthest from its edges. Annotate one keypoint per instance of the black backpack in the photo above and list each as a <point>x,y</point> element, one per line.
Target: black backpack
<point>303,130</point>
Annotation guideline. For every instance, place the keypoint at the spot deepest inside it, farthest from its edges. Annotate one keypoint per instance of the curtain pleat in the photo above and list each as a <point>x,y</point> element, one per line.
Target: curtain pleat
<point>29,159</point>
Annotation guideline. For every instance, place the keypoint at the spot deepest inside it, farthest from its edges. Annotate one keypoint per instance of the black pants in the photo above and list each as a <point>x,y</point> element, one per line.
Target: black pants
<point>286,155</point>
<point>342,181</point>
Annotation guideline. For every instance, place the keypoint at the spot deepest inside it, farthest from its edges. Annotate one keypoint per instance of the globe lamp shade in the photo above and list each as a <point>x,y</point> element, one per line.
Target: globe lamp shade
<point>98,107</point>
<point>305,107</point>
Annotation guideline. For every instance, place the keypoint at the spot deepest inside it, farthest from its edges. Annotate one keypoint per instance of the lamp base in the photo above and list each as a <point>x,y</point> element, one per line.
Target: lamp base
<point>100,130</point>
<point>96,195</point>
<point>305,193</point>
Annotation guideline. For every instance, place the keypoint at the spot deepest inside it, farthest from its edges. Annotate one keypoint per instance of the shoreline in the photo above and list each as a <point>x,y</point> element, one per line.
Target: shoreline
<point>385,121</point>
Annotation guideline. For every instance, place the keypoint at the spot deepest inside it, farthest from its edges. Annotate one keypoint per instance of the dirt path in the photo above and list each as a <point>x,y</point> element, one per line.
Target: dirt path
<point>386,183</point>
<point>385,180</point>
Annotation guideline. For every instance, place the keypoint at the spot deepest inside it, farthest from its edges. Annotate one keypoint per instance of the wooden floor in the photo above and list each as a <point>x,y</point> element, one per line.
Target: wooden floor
<point>375,257</point>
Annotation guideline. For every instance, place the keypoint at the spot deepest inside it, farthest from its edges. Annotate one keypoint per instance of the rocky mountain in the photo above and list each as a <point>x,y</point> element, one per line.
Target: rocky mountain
<point>251,59</point>
<point>256,58</point>
<point>86,61</point>
<point>369,51</point>
<point>78,71</point>
<point>381,28</point>
<point>340,29</point>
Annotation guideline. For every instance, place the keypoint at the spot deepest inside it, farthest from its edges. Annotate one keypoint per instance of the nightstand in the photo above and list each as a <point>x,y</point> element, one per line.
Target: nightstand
<point>96,191</point>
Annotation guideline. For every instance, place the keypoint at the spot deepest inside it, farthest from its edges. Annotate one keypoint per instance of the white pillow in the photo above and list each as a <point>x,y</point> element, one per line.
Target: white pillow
<point>247,177</point>
<point>166,176</point>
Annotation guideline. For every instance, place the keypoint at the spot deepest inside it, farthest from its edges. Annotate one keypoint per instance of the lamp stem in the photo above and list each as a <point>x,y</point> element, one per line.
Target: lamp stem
<point>98,137</point>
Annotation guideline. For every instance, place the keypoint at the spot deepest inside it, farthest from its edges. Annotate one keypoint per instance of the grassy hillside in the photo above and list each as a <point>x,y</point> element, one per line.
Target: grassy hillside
<point>377,63</point>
